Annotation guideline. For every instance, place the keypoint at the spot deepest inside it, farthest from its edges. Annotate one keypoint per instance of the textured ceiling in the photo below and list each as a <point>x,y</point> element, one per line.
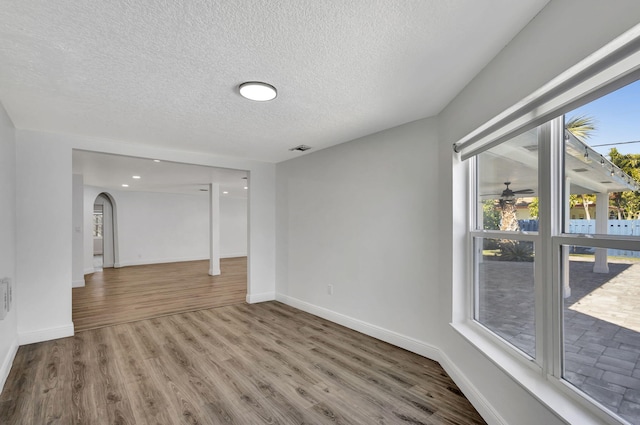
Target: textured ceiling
<point>166,72</point>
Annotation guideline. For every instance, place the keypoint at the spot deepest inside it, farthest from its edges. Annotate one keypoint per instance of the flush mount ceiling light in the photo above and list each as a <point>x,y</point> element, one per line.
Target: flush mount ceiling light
<point>258,91</point>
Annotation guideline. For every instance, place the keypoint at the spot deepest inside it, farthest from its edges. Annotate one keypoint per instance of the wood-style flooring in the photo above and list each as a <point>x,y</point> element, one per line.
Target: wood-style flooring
<point>141,292</point>
<point>242,364</point>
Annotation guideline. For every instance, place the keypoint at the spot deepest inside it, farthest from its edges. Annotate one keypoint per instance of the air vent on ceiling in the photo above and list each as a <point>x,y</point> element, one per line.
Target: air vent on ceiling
<point>606,182</point>
<point>301,148</point>
<point>531,148</point>
<point>580,170</point>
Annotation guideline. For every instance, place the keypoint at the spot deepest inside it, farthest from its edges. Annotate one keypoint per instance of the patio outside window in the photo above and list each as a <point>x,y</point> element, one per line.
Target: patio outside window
<point>504,267</point>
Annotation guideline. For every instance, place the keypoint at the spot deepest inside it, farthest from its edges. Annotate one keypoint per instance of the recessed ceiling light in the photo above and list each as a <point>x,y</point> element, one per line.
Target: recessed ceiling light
<point>156,160</point>
<point>258,91</point>
<point>125,185</point>
<point>135,177</point>
<point>225,192</point>
<point>246,187</point>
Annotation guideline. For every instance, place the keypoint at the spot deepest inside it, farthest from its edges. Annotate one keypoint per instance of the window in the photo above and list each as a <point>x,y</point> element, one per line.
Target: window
<point>554,234</point>
<point>504,287</point>
<point>598,258</point>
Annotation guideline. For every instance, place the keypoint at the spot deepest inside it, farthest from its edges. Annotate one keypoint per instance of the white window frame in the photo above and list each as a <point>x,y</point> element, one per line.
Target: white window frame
<point>548,242</point>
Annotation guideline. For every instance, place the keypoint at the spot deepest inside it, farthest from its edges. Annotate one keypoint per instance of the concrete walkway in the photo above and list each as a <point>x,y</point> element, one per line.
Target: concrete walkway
<point>601,332</point>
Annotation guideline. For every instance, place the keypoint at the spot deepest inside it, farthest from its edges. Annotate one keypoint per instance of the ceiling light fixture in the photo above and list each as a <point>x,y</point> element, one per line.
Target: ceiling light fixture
<point>135,177</point>
<point>258,91</point>
<point>225,192</point>
<point>156,160</point>
<point>246,188</point>
<point>125,185</point>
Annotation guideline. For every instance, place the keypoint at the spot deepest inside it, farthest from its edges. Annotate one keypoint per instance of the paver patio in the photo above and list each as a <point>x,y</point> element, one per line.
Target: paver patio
<point>601,332</point>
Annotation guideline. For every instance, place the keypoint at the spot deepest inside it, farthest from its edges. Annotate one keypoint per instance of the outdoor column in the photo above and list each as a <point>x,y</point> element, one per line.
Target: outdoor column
<point>214,229</point>
<point>601,265</point>
<point>566,287</point>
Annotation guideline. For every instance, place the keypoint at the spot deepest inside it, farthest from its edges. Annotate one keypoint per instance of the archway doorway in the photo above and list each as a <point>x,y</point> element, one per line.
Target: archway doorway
<point>104,232</point>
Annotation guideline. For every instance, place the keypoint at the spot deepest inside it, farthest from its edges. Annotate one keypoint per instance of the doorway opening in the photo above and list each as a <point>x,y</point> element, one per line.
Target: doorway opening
<point>104,247</point>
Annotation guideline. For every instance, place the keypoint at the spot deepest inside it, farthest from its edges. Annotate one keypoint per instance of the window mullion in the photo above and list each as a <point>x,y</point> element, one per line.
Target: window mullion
<point>550,196</point>
<point>550,193</point>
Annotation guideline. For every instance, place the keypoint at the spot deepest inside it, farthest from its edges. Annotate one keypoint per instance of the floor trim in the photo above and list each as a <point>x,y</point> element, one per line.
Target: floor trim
<point>260,298</point>
<point>482,405</point>
<point>375,331</point>
<point>31,337</point>
<point>8,362</point>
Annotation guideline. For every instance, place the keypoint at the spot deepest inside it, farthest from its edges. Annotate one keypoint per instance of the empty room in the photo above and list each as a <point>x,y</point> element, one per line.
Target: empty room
<point>433,209</point>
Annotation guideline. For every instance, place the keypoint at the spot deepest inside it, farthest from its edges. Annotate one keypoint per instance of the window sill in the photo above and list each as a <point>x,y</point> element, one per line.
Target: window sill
<point>552,393</point>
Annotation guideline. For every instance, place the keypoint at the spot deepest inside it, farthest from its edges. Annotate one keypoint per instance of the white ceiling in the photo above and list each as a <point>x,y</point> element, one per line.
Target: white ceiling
<point>112,171</point>
<point>166,73</point>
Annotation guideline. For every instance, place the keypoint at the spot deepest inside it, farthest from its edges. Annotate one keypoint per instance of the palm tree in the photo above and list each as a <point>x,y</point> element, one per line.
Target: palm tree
<point>581,126</point>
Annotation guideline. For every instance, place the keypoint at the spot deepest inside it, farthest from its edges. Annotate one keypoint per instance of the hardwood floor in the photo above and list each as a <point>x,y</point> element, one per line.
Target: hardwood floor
<point>239,364</point>
<point>140,292</point>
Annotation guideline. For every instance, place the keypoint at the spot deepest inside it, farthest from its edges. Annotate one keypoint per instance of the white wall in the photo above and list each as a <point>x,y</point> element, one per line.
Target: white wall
<point>44,235</point>
<point>77,272</point>
<point>8,326</point>
<point>561,35</point>
<point>233,227</point>
<point>44,247</point>
<point>166,227</point>
<point>162,227</point>
<point>360,216</point>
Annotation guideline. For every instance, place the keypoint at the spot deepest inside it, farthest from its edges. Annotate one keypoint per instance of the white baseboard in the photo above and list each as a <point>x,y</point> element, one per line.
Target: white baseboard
<point>408,343</point>
<point>481,404</point>
<point>31,337</point>
<point>7,362</point>
<point>242,254</point>
<point>399,340</point>
<point>155,261</point>
<point>260,298</point>
<point>89,271</point>
<point>77,283</point>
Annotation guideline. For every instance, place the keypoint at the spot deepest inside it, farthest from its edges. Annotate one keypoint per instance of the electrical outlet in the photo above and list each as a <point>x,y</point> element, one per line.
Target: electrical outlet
<point>330,289</point>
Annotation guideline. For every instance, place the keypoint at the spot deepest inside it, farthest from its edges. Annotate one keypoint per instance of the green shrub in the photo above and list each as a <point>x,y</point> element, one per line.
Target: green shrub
<point>516,251</point>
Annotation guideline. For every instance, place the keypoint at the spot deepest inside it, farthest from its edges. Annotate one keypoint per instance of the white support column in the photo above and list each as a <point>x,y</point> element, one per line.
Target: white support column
<point>566,288</point>
<point>601,265</point>
<point>214,229</point>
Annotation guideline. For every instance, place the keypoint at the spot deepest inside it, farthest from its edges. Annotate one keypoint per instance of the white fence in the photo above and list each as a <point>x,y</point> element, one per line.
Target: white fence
<point>616,227</point>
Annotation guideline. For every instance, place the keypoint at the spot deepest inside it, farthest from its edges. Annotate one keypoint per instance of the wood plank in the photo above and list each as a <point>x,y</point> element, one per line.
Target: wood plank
<point>134,293</point>
<point>237,364</point>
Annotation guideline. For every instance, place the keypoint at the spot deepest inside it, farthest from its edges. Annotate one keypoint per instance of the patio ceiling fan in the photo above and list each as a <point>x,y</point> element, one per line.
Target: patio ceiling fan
<point>508,195</point>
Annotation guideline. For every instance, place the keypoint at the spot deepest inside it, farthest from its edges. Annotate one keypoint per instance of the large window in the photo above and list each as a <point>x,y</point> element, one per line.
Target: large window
<point>555,236</point>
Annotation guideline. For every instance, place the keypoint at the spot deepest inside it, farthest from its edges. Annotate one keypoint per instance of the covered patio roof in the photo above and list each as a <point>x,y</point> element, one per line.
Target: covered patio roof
<point>517,160</point>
